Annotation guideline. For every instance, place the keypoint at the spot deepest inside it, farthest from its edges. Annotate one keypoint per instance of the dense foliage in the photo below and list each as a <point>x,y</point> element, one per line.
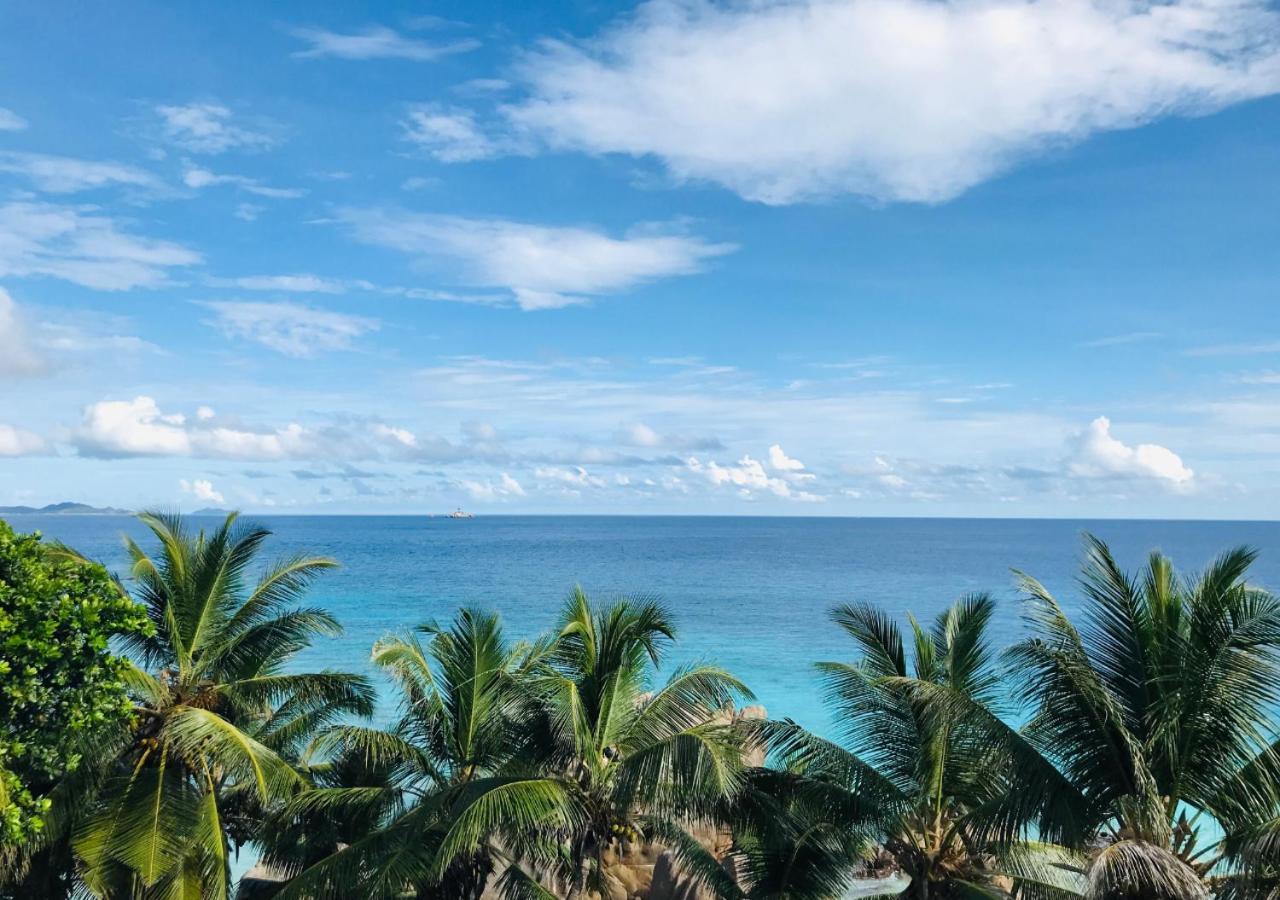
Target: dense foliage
<point>59,681</point>
<point>1128,751</point>
<point>217,721</point>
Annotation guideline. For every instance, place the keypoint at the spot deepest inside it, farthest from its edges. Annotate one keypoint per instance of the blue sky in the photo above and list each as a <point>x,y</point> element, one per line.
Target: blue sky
<point>875,257</point>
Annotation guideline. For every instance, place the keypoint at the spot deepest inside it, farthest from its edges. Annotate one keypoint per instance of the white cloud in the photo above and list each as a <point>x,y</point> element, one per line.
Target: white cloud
<point>906,100</point>
<point>132,428</point>
<point>544,267</point>
<point>18,355</point>
<point>197,178</point>
<point>402,436</point>
<point>1252,348</point>
<point>373,42</point>
<point>16,442</point>
<point>489,491</point>
<point>208,128</point>
<point>137,427</point>
<point>201,489</point>
<point>640,435</point>
<point>1267,377</point>
<point>67,175</point>
<point>1099,455</point>
<point>11,121</point>
<point>451,135</point>
<point>297,283</point>
<point>779,461</point>
<point>574,476</point>
<point>79,245</point>
<point>748,475</point>
<point>289,328</point>
<point>1120,340</point>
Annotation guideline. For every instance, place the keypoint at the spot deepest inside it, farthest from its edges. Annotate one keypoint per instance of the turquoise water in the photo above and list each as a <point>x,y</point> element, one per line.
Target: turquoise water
<point>751,594</point>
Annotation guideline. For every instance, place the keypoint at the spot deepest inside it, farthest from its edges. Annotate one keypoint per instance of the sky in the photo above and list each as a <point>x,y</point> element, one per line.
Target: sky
<point>779,257</point>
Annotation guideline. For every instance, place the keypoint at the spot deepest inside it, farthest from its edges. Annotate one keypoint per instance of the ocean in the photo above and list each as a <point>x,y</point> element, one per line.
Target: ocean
<point>750,594</point>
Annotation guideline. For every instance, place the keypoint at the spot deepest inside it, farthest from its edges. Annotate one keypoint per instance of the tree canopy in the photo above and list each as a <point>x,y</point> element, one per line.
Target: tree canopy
<point>60,682</point>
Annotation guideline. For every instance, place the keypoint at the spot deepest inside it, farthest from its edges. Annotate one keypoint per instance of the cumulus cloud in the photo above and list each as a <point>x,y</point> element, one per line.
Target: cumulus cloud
<point>68,175</point>
<point>779,460</point>
<point>18,355</point>
<point>893,100</point>
<point>749,475</point>
<point>138,427</point>
<point>289,328</point>
<point>489,490</point>
<point>1099,455</point>
<point>16,442</point>
<point>201,489</point>
<point>208,128</point>
<point>11,121</point>
<point>373,42</point>
<point>543,267</point>
<point>79,245</point>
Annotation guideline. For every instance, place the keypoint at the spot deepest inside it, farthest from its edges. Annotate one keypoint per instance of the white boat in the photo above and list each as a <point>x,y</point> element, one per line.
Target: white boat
<point>459,514</point>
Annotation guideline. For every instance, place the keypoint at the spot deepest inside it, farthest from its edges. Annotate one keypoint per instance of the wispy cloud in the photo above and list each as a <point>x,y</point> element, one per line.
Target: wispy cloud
<point>1119,340</point>
<point>1245,348</point>
<point>18,354</point>
<point>899,100</point>
<point>82,246</point>
<point>67,175</point>
<point>209,128</point>
<point>374,42</point>
<point>289,328</point>
<point>11,121</point>
<point>543,267</point>
<point>296,283</point>
<point>201,178</point>
<point>452,134</point>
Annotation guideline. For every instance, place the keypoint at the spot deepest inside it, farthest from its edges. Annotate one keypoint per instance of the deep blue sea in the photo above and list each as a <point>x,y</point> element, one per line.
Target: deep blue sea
<point>751,594</point>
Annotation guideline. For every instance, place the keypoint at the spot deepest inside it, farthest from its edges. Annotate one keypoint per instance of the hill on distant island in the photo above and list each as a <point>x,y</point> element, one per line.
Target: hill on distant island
<point>64,509</point>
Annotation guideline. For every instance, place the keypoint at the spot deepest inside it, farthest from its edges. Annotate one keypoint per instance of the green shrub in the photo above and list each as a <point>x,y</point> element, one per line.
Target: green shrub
<point>60,683</point>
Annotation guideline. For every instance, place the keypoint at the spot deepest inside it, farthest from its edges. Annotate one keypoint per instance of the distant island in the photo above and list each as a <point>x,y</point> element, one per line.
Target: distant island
<point>68,508</point>
<point>64,509</point>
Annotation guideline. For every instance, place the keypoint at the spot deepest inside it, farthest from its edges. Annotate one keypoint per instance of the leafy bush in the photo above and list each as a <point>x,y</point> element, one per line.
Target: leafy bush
<point>59,680</point>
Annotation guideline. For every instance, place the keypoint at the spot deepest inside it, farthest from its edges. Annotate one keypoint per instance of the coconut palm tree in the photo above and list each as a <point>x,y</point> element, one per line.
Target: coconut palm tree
<point>634,763</point>
<point>398,792</point>
<point>1152,725</point>
<point>912,775</point>
<point>526,765</point>
<point>218,713</point>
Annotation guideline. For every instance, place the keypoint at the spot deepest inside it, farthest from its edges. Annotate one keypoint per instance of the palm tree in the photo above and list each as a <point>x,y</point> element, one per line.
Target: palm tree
<point>398,792</point>
<point>914,775</point>
<point>218,714</point>
<point>1151,737</point>
<point>528,764</point>
<point>633,764</point>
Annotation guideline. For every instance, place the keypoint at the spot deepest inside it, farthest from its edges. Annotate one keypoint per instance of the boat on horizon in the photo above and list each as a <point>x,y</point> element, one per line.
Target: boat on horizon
<point>459,513</point>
